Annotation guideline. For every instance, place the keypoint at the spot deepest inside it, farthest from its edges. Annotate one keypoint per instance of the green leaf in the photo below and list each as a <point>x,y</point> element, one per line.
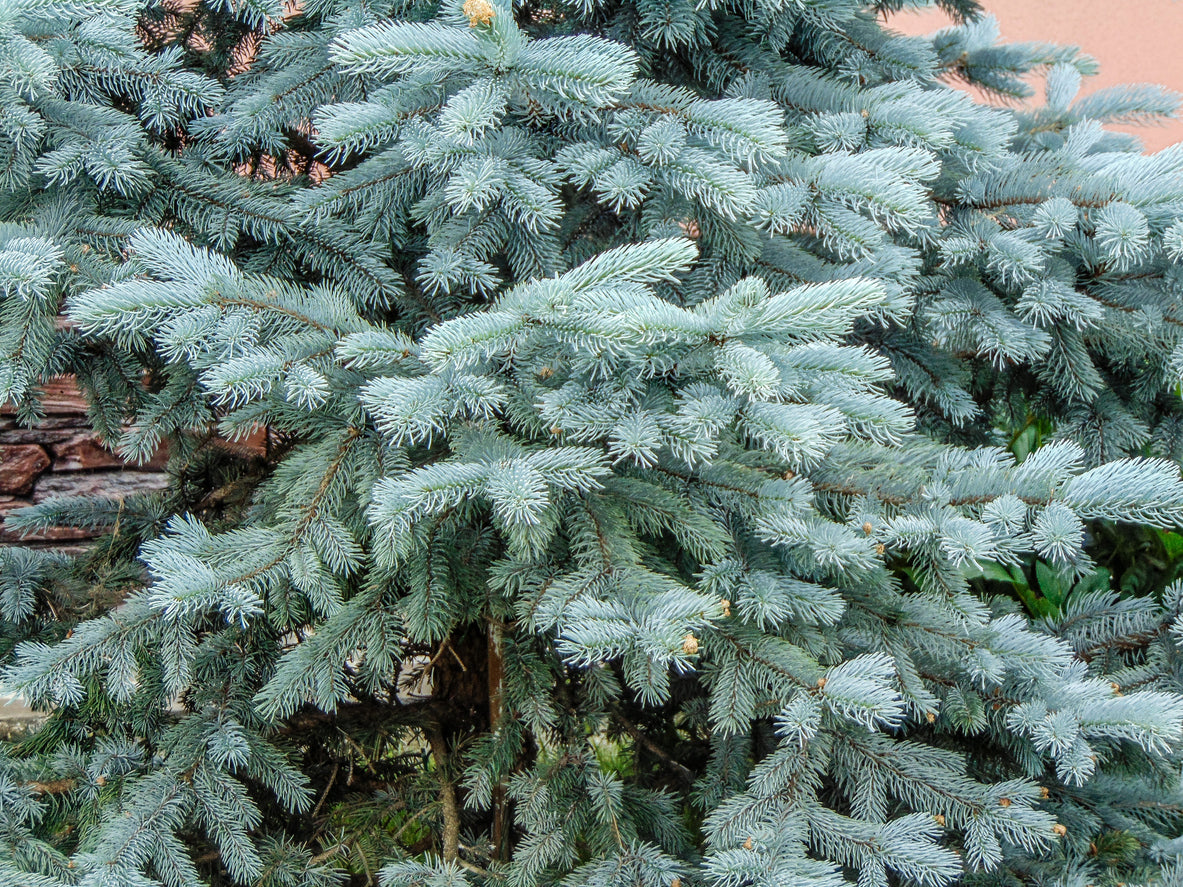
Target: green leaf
<point>1050,585</point>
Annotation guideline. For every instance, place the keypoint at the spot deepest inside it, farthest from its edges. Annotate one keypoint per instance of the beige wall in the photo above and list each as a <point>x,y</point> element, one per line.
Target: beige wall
<point>1136,41</point>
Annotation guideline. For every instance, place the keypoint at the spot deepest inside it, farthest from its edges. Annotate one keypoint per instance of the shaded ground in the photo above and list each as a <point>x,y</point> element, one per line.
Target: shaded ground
<point>15,716</point>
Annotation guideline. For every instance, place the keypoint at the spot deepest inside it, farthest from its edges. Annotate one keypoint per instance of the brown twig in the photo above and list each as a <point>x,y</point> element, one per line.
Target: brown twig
<point>496,706</point>
<point>328,788</point>
<point>635,732</point>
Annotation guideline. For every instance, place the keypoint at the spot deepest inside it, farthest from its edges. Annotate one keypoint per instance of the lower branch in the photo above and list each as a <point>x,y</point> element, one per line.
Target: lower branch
<point>448,803</point>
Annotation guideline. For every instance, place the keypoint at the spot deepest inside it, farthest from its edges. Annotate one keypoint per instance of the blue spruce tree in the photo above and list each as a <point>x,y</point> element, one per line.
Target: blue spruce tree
<point>706,449</point>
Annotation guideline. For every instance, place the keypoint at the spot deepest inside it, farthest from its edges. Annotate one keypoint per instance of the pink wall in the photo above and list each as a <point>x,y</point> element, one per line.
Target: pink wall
<point>1135,41</point>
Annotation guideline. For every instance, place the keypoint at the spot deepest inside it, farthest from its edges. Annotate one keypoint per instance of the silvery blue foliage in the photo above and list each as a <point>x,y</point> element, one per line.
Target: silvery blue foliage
<point>641,377</point>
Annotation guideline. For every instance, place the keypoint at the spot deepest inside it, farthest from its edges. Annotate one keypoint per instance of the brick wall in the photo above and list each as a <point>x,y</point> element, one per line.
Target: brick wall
<point>1135,41</point>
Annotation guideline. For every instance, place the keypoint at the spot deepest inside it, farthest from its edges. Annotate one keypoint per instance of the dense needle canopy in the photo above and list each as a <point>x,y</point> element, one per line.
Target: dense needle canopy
<point>704,448</point>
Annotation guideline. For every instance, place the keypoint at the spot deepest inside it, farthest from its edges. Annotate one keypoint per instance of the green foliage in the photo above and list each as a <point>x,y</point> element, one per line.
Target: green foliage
<point>705,449</point>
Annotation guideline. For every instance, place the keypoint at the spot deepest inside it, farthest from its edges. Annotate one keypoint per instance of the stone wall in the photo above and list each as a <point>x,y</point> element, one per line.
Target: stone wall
<point>59,457</point>
<point>62,457</point>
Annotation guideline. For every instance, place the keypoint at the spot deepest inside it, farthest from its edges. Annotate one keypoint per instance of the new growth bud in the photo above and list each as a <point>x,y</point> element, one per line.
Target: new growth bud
<point>478,12</point>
